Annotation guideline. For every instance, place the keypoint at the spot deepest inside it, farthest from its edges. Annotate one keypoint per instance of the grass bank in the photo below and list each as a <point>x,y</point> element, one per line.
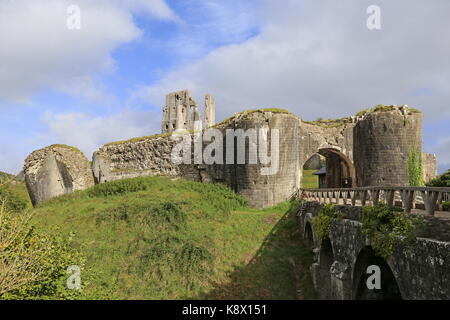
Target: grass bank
<point>156,238</point>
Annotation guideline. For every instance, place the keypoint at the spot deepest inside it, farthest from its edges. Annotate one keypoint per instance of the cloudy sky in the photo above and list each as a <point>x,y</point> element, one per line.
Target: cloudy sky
<point>317,58</point>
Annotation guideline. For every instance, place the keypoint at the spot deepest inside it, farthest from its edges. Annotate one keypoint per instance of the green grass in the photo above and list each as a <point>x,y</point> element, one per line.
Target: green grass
<point>14,192</point>
<point>384,108</point>
<point>59,146</point>
<point>310,181</point>
<point>329,123</point>
<point>5,176</point>
<point>157,238</point>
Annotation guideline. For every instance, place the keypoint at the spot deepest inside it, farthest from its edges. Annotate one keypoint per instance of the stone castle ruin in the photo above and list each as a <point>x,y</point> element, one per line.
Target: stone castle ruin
<point>181,113</point>
<point>370,149</point>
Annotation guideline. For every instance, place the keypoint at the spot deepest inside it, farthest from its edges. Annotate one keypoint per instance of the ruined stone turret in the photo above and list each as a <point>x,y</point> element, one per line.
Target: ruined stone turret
<point>181,112</point>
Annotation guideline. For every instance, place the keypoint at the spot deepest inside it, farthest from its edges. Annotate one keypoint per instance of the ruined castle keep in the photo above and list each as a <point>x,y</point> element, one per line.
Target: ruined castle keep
<point>371,149</point>
<point>181,112</point>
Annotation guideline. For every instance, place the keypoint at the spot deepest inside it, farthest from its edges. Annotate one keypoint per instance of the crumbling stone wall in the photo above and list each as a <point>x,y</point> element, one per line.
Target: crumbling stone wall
<point>129,159</point>
<point>152,156</point>
<point>56,170</point>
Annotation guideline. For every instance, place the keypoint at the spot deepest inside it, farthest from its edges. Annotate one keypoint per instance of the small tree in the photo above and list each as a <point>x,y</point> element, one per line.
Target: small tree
<point>33,265</point>
<point>20,253</point>
<point>414,167</point>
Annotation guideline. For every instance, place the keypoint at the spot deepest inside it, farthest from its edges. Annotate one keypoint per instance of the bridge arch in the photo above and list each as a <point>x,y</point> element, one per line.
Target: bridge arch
<point>308,231</point>
<point>309,234</point>
<point>326,259</point>
<point>389,290</point>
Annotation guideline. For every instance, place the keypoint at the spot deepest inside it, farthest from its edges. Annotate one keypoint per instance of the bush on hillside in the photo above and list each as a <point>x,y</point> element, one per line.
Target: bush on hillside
<point>33,265</point>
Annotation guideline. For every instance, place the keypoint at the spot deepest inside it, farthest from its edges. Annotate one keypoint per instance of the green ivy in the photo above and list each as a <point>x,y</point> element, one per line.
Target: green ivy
<point>322,222</point>
<point>414,167</point>
<point>385,227</point>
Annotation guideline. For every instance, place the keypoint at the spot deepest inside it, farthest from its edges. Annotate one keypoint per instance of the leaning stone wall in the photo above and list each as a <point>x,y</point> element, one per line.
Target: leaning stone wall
<point>56,170</point>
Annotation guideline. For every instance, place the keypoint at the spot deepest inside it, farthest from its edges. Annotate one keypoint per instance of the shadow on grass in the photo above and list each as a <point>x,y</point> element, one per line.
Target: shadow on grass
<point>278,271</point>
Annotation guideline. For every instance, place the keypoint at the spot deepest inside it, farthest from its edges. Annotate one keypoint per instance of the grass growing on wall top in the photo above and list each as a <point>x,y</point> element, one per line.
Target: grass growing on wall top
<point>383,108</point>
<point>138,139</point>
<point>248,112</point>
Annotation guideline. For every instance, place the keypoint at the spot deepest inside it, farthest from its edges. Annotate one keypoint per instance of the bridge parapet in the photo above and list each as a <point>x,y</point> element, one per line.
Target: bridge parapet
<point>429,199</point>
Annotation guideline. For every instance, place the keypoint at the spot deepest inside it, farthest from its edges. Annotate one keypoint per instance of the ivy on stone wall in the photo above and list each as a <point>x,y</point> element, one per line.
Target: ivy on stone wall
<point>385,228</point>
<point>322,222</point>
<point>414,167</point>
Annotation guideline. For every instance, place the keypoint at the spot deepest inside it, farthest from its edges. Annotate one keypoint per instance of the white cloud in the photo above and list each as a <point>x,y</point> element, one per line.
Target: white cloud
<point>38,51</point>
<point>89,132</point>
<point>318,59</point>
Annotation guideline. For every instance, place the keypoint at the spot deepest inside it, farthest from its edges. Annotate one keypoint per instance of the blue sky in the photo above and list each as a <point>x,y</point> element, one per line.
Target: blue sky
<point>107,81</point>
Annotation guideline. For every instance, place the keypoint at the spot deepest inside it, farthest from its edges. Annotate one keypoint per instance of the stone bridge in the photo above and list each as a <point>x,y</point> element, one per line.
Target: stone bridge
<point>341,260</point>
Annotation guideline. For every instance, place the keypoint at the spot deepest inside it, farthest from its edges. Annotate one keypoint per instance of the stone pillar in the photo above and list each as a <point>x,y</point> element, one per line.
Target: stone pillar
<point>210,111</point>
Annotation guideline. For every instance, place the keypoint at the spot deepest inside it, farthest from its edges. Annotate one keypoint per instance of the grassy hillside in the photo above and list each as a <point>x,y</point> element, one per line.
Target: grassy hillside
<point>154,238</point>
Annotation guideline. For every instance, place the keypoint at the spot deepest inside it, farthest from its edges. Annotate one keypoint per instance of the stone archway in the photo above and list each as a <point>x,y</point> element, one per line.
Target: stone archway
<point>340,170</point>
<point>389,287</point>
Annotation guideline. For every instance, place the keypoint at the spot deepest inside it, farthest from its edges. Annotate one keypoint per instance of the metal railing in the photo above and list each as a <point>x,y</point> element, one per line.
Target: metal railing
<point>425,198</point>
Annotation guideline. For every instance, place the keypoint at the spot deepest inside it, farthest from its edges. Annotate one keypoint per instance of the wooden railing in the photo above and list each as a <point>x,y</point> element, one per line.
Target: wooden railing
<point>425,198</point>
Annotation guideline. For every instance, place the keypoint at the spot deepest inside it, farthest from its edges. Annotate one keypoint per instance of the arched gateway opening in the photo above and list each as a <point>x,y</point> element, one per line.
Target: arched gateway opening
<point>389,289</point>
<point>334,170</point>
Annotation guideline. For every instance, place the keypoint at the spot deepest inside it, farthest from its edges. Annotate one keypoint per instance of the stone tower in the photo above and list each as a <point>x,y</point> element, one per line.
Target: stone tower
<point>181,112</point>
<point>382,144</point>
<point>210,111</point>
<point>178,113</point>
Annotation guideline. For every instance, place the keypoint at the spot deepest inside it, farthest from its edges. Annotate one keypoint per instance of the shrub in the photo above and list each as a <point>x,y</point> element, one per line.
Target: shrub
<point>385,228</point>
<point>322,222</point>
<point>446,206</point>
<point>157,216</point>
<point>33,265</point>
